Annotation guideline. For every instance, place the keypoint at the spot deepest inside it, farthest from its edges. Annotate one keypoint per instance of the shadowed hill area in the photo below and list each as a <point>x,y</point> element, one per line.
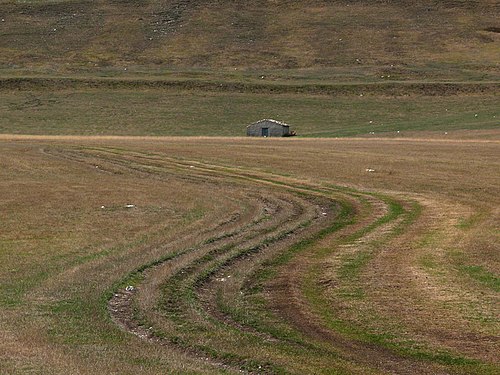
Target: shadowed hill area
<point>351,40</point>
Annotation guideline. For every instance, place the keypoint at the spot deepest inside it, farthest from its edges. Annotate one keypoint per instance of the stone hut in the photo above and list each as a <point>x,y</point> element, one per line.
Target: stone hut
<point>269,128</point>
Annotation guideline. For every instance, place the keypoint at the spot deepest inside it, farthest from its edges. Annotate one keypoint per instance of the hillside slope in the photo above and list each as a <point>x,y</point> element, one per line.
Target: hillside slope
<point>349,39</point>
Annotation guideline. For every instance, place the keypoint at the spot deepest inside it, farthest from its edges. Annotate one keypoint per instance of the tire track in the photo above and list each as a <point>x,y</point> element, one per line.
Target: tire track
<point>239,299</point>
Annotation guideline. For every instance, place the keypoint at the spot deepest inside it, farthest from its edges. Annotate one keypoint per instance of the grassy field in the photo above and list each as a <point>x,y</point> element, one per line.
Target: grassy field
<point>141,233</point>
<point>187,113</point>
<point>297,260</point>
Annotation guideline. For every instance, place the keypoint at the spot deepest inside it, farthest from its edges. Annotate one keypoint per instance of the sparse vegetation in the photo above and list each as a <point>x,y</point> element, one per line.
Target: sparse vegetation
<point>124,250</point>
<point>272,286</point>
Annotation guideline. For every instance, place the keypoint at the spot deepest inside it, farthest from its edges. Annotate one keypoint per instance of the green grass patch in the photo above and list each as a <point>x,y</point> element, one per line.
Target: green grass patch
<point>470,222</point>
<point>481,275</point>
<point>352,266</point>
<point>429,262</point>
<point>166,113</point>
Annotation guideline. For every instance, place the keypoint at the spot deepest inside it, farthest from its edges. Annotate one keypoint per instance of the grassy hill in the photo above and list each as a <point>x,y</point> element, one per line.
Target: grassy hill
<point>347,40</point>
<point>330,68</point>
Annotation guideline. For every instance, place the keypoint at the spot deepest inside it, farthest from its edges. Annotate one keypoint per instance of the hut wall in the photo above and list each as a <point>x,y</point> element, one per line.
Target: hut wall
<point>274,129</point>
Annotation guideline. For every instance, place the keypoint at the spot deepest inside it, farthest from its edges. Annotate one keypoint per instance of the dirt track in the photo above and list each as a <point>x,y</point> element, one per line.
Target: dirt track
<point>209,286</point>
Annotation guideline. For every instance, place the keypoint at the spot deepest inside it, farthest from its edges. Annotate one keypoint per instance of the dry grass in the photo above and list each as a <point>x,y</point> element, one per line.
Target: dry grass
<point>368,255</point>
<point>315,39</point>
<point>411,283</point>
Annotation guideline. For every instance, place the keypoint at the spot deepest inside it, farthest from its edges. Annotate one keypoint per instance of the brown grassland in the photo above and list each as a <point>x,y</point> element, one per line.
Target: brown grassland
<point>139,234</point>
<point>316,40</point>
<point>256,256</point>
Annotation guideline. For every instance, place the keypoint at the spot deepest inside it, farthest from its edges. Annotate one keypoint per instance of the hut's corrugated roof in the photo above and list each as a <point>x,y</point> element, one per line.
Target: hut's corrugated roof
<point>270,120</point>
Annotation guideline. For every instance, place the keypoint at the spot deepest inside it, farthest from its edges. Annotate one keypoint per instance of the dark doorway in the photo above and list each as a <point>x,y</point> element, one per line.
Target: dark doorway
<point>265,132</point>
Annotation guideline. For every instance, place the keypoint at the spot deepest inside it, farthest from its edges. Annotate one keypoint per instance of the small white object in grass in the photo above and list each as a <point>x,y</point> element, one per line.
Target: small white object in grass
<point>191,166</point>
<point>398,131</point>
<point>370,170</point>
<point>102,207</point>
<point>475,115</point>
<point>129,288</point>
<point>97,166</point>
<point>130,205</point>
<point>371,122</point>
<point>445,133</point>
<point>360,94</point>
<point>3,20</point>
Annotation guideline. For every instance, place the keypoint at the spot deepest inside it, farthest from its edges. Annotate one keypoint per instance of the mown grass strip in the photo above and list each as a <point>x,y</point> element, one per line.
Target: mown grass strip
<point>349,271</point>
<point>481,275</point>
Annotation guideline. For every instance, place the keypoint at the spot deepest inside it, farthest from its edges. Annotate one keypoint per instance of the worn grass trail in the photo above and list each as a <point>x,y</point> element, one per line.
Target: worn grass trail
<point>262,292</point>
<point>281,275</point>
